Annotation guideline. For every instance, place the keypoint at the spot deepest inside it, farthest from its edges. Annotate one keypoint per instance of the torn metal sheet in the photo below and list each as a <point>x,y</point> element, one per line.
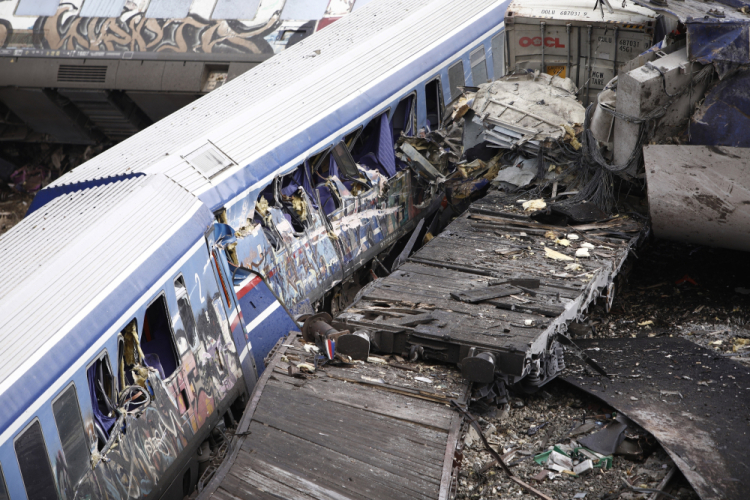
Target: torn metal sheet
<point>525,107</point>
<point>693,400</point>
<point>521,174</point>
<point>723,118</point>
<point>700,194</point>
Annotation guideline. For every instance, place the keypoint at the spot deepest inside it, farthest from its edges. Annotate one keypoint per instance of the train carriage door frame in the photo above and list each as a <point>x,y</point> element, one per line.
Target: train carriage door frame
<point>217,238</point>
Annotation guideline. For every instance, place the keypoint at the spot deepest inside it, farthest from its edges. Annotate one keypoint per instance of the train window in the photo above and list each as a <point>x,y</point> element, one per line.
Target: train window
<point>186,312</point>
<point>70,428</point>
<point>103,401</point>
<point>405,117</point>
<point>478,67</point>
<point>498,55</point>
<point>102,8</point>
<point>434,103</point>
<point>168,9</point>
<point>3,487</point>
<point>235,9</point>
<point>456,79</point>
<point>37,7</point>
<point>360,3</point>
<point>303,10</point>
<point>33,461</point>
<point>157,341</point>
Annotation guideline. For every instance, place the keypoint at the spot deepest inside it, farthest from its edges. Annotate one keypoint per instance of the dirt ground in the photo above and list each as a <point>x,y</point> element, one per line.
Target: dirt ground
<point>670,289</point>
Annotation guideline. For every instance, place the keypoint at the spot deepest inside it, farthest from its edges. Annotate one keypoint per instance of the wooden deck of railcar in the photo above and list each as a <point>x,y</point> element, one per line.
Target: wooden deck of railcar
<point>494,243</point>
<point>370,431</point>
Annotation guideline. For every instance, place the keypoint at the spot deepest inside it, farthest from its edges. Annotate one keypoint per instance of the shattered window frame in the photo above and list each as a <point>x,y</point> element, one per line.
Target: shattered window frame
<point>440,99</point>
<point>351,138</point>
<point>173,338</point>
<point>413,112</point>
<point>103,356</point>
<point>307,222</point>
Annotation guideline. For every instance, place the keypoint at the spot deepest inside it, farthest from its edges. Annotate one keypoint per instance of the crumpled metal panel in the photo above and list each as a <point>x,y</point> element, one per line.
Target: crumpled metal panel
<point>700,194</point>
<point>723,42</point>
<point>723,117</point>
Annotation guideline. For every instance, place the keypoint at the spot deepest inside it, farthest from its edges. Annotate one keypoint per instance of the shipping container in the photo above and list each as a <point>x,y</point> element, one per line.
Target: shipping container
<point>570,39</point>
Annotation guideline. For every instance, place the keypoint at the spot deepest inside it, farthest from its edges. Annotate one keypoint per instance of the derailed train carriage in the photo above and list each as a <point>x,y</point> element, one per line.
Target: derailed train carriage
<point>145,288</point>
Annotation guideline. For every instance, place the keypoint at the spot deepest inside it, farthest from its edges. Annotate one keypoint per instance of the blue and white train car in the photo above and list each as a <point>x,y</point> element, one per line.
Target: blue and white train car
<point>142,293</point>
<point>268,152</point>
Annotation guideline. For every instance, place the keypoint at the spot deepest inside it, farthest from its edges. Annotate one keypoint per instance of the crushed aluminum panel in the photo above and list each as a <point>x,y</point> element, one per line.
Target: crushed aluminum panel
<point>255,113</point>
<point>700,194</point>
<point>529,107</point>
<point>63,257</point>
<point>699,417</point>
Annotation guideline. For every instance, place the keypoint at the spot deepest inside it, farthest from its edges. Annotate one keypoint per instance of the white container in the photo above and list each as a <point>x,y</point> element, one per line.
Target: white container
<point>568,38</point>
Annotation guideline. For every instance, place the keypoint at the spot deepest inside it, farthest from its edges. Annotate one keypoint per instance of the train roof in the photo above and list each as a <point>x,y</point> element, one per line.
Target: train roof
<point>229,140</point>
<point>73,268</point>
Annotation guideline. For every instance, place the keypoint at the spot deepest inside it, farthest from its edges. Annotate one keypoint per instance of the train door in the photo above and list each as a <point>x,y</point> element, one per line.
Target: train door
<point>217,238</point>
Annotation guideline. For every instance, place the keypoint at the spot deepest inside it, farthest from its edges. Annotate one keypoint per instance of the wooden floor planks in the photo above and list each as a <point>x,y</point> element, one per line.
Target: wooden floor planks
<point>325,438</point>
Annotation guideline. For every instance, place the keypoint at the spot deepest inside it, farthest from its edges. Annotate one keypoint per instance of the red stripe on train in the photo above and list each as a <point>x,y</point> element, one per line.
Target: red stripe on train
<point>246,289</point>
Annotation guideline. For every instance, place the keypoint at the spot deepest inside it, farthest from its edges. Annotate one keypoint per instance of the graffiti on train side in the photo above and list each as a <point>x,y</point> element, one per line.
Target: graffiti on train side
<point>134,32</point>
<point>300,265</point>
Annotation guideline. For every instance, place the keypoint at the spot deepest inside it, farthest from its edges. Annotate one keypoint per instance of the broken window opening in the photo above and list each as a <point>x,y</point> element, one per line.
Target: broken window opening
<point>33,460</point>
<point>69,423</point>
<point>157,341</point>
<point>405,117</point>
<point>374,150</point>
<point>321,171</point>
<point>434,103</point>
<point>351,138</point>
<point>186,313</point>
<point>103,399</point>
<point>294,196</point>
